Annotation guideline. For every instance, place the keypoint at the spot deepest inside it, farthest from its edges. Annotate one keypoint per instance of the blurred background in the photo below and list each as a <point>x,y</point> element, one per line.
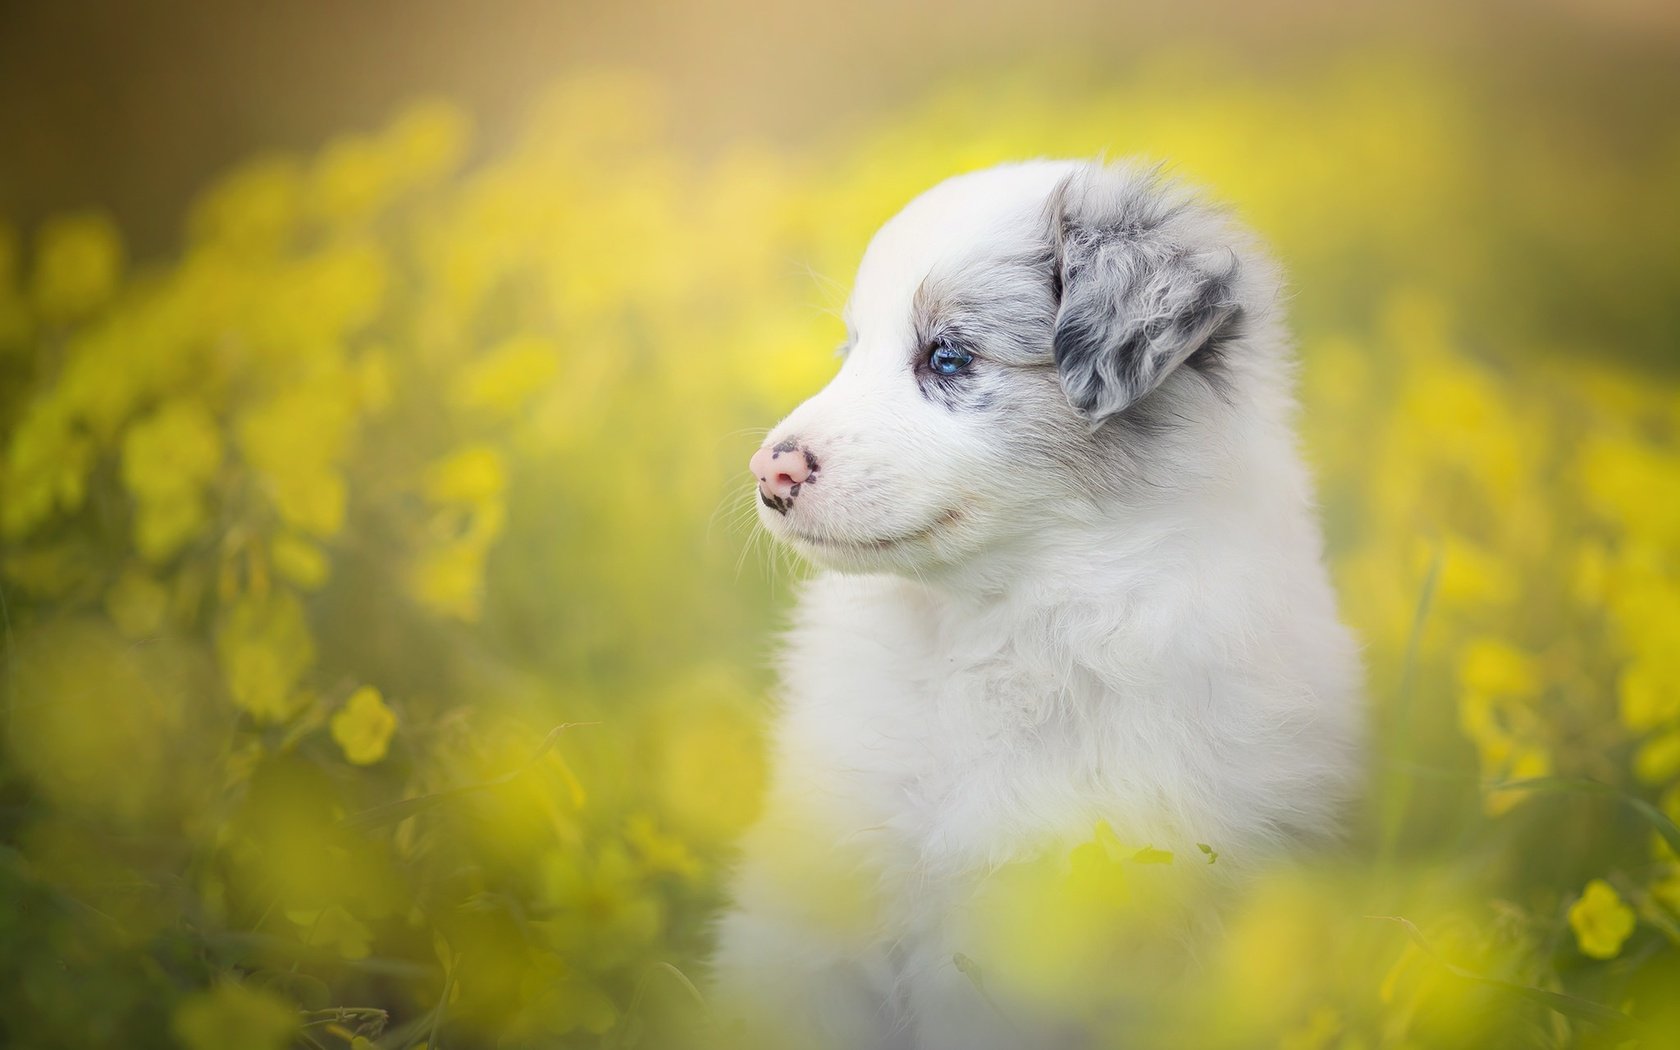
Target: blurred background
<point>386,637</point>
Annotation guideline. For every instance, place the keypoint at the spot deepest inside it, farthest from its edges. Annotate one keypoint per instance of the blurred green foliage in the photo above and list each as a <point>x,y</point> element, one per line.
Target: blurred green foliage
<point>385,636</point>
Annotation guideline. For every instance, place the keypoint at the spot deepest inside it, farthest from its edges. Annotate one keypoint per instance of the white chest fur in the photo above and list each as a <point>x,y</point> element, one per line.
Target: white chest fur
<point>923,741</point>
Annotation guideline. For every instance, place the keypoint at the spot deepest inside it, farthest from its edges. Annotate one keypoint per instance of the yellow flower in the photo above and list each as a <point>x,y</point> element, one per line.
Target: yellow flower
<point>1630,482</point>
<point>1649,695</point>
<point>334,928</point>
<point>233,1015</point>
<point>1490,666</point>
<point>163,528</point>
<point>313,501</point>
<point>298,560</point>
<point>449,580</point>
<point>1471,576</point>
<point>1600,920</point>
<point>607,911</point>
<point>363,729</point>
<point>503,378</point>
<point>1658,760</point>
<point>472,475</point>
<point>1645,605</point>
<point>295,440</point>
<point>45,468</point>
<point>344,286</point>
<point>351,180</point>
<point>660,852</point>
<point>77,265</point>
<point>253,209</point>
<point>168,459</point>
<point>265,648</point>
<point>173,450</point>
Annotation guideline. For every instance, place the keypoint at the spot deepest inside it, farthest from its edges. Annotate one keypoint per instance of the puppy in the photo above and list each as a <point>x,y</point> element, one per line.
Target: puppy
<point>1071,577</point>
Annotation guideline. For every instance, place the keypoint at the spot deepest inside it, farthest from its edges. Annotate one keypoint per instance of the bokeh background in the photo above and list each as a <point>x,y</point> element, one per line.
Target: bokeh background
<point>385,634</point>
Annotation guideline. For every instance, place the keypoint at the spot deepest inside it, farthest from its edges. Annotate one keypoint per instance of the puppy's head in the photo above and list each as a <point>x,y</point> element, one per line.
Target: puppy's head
<point>1023,343</point>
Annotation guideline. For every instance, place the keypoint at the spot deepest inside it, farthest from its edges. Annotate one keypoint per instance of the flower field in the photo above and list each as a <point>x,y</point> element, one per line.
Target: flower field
<point>386,636</point>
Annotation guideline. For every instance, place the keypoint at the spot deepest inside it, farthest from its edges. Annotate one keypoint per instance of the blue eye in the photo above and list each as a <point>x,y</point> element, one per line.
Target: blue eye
<point>948,360</point>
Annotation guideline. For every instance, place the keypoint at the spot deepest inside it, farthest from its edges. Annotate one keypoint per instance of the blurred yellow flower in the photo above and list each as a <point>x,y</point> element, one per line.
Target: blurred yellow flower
<point>1600,920</point>
<point>265,647</point>
<point>659,851</point>
<point>253,209</point>
<point>299,560</point>
<point>1472,575</point>
<point>449,579</point>
<point>176,448</point>
<point>1495,667</point>
<point>313,502</point>
<point>1645,604</point>
<point>168,459</point>
<point>1628,481</point>
<point>295,440</point>
<point>605,907</point>
<point>471,475</point>
<point>507,375</point>
<point>1649,692</point>
<point>232,1015</point>
<point>363,728</point>
<point>351,180</point>
<point>1658,760</point>
<point>559,1000</point>
<point>78,262</point>
<point>334,928</point>
<point>45,468</point>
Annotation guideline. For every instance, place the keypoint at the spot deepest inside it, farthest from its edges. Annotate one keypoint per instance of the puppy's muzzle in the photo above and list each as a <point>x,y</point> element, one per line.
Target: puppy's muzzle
<point>782,470</point>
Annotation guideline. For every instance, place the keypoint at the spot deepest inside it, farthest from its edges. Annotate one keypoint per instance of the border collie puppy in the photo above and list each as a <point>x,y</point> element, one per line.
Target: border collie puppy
<point>1071,576</point>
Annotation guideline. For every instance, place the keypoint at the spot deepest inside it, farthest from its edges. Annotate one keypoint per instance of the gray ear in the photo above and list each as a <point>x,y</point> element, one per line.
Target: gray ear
<point>1143,280</point>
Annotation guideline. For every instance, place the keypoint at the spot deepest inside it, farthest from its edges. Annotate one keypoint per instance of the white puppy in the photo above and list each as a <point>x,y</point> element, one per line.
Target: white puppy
<point>1073,575</point>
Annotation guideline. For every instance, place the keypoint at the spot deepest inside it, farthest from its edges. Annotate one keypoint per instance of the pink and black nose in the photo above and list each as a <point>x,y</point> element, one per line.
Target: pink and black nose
<point>782,470</point>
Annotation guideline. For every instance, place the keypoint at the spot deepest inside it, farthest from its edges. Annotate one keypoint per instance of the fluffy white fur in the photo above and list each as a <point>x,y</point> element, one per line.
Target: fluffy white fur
<point>1080,582</point>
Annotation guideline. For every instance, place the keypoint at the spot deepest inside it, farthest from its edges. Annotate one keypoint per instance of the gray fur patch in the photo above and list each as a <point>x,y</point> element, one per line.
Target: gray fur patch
<point>1145,283</point>
<point>998,309</point>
